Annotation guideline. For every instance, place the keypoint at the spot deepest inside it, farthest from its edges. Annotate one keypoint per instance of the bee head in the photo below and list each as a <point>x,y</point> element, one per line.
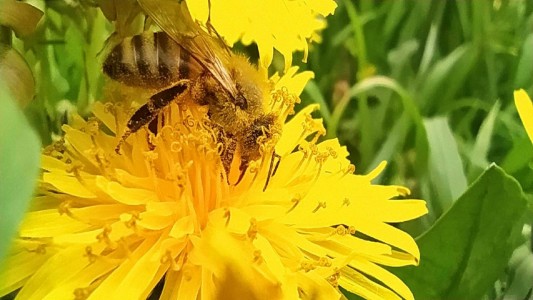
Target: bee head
<point>240,100</point>
<point>251,84</point>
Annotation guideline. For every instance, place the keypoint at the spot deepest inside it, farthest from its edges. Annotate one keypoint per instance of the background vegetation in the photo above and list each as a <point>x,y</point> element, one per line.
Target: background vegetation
<point>425,85</point>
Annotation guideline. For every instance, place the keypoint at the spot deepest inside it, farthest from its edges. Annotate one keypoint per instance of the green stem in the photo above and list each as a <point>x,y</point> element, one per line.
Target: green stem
<point>359,36</point>
<point>357,28</point>
<point>367,135</point>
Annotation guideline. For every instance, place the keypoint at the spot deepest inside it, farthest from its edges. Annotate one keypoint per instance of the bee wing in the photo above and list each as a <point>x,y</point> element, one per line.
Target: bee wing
<point>173,17</point>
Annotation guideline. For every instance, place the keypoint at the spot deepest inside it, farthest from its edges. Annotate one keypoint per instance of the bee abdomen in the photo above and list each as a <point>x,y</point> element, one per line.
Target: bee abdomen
<point>149,60</point>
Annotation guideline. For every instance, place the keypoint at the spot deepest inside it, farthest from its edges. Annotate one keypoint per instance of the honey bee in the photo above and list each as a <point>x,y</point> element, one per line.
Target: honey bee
<point>186,62</point>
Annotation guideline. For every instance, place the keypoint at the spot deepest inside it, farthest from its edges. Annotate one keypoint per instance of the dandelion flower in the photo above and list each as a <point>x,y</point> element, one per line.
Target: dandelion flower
<point>286,26</point>
<point>162,216</point>
<point>525,110</point>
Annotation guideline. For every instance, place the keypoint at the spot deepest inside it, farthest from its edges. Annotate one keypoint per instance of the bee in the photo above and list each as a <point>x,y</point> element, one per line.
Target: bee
<point>186,62</point>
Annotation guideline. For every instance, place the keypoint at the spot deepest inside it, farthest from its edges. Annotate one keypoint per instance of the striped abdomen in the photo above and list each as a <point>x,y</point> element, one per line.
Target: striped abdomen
<point>149,60</point>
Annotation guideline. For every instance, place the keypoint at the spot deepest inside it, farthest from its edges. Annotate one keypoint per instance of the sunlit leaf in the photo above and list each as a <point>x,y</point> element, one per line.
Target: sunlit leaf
<point>469,246</point>
<point>19,163</point>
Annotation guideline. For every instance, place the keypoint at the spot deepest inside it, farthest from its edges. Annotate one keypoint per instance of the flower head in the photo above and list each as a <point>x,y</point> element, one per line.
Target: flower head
<point>165,213</point>
<point>286,26</point>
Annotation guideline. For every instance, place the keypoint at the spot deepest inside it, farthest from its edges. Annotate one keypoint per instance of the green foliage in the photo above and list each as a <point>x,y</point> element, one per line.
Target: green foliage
<point>466,250</point>
<point>19,163</point>
<point>63,55</point>
<point>446,177</point>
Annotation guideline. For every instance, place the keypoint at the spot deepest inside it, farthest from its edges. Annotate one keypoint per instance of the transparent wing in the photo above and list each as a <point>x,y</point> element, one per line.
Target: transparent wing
<point>173,17</point>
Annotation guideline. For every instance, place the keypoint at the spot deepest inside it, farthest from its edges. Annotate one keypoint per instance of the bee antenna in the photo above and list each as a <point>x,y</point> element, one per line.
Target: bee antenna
<point>277,164</point>
<point>209,13</point>
<point>271,169</point>
<point>241,176</point>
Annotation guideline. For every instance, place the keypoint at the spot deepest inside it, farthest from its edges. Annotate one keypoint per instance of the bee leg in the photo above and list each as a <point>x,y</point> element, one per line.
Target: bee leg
<point>142,116</point>
<point>149,111</point>
<point>153,126</point>
<point>230,145</point>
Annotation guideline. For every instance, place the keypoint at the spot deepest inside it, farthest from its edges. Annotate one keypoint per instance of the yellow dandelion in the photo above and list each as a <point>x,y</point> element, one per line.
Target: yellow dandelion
<point>286,26</point>
<point>162,218</point>
<point>525,110</point>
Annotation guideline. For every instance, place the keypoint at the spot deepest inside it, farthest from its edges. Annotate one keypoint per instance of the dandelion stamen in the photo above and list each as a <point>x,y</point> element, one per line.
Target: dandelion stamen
<point>90,255</point>
<point>258,258</point>
<point>252,230</point>
<point>295,200</point>
<point>64,208</point>
<point>103,237</point>
<point>81,293</point>
<point>346,202</point>
<point>40,249</point>
<point>319,206</point>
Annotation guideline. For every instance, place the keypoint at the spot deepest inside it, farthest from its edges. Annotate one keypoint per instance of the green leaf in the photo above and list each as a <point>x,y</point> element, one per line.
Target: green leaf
<point>19,165</point>
<point>478,155</point>
<point>469,246</point>
<point>394,141</point>
<point>445,166</point>
<point>518,156</point>
<point>524,75</point>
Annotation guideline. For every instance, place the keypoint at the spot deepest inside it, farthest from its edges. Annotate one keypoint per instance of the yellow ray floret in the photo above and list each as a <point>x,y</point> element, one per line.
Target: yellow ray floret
<point>286,26</point>
<point>525,110</point>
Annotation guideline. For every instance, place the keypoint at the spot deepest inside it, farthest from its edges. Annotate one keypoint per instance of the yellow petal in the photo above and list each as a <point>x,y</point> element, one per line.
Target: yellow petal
<point>313,286</point>
<point>49,163</point>
<point>271,257</point>
<point>182,227</point>
<point>292,131</point>
<point>401,211</point>
<point>101,112</point>
<point>18,267</point>
<point>183,285</point>
<point>68,184</point>
<point>132,276</point>
<point>51,275</point>
<point>388,234</point>
<point>293,82</point>
<point>129,196</point>
<point>525,110</point>
<point>47,223</point>
<point>382,275</point>
<point>359,284</point>
<point>82,279</point>
<point>395,259</point>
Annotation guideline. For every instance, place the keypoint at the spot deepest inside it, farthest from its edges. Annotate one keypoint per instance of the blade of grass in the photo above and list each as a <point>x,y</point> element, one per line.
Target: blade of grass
<point>445,165</point>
